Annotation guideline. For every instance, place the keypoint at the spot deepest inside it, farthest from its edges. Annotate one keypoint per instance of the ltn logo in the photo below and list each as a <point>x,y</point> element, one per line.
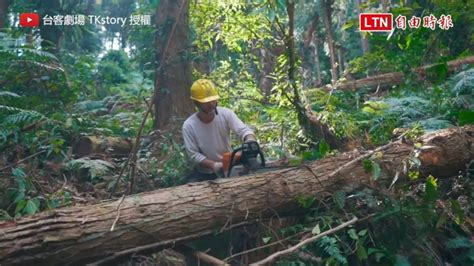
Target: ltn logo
<point>375,22</point>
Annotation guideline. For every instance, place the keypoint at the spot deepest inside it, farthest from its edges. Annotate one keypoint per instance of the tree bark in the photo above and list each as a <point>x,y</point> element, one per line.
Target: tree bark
<point>173,76</point>
<point>82,234</point>
<point>396,78</point>
<point>3,12</point>
<point>319,80</point>
<point>100,145</point>
<point>364,41</point>
<point>329,38</point>
<point>51,36</point>
<point>268,58</point>
<point>309,55</point>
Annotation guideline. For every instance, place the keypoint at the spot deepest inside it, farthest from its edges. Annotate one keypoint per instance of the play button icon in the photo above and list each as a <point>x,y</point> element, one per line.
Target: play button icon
<point>29,20</point>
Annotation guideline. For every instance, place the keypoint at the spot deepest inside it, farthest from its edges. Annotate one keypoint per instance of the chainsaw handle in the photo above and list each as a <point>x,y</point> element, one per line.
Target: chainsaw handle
<point>262,163</point>
<point>231,162</point>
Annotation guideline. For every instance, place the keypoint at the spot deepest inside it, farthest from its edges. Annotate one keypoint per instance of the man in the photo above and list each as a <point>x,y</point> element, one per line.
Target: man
<point>207,133</point>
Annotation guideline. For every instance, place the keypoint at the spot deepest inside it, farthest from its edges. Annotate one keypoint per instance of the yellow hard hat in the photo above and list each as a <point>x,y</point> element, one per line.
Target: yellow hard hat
<point>203,91</point>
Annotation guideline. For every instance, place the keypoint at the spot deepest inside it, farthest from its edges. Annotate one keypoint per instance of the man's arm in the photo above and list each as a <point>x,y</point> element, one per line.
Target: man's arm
<point>195,155</point>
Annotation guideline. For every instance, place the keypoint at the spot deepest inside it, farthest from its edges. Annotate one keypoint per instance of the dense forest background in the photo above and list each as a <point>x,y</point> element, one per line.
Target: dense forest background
<point>91,112</point>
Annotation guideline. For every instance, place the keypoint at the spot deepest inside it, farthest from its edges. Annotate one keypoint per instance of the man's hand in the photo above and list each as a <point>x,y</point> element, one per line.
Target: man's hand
<point>218,168</point>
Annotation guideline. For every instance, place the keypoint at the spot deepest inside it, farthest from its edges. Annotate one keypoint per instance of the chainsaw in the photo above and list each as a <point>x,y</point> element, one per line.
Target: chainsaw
<point>247,159</point>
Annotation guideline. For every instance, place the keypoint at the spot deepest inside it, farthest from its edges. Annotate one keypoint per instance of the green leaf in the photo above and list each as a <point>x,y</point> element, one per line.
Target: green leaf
<point>266,239</point>
<point>20,205</point>
<point>375,171</point>
<point>361,251</point>
<point>363,232</point>
<point>31,207</point>
<point>431,189</point>
<point>340,199</point>
<point>402,10</point>
<point>438,72</point>
<point>352,234</point>
<point>316,230</point>
<point>402,261</point>
<point>323,148</point>
<point>379,256</point>
<point>368,166</point>
<point>19,197</point>
<point>466,118</point>
<point>373,250</point>
<point>413,175</point>
<point>348,25</point>
<point>457,211</point>
<point>18,172</point>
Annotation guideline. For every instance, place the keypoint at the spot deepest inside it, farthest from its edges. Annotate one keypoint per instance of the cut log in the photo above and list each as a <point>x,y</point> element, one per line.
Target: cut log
<point>102,146</point>
<point>82,234</point>
<point>396,78</point>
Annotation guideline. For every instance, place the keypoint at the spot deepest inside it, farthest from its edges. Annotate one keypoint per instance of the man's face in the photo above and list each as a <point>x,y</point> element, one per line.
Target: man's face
<point>208,107</point>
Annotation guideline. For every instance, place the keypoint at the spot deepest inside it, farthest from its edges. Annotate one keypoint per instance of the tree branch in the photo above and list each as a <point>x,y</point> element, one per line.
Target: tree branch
<point>292,249</point>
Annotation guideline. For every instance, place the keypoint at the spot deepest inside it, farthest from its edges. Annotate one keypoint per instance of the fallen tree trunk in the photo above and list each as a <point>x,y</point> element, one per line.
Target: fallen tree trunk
<point>396,78</point>
<point>102,146</point>
<point>81,234</point>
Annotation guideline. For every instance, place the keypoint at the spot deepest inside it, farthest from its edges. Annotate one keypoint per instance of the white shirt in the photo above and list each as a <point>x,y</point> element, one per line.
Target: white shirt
<point>212,140</point>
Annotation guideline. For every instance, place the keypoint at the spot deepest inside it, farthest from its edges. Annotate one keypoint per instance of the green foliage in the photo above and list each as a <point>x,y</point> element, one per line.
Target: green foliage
<point>229,23</point>
<point>329,244</point>
<point>25,197</point>
<point>370,64</point>
<point>372,167</point>
<point>305,202</point>
<point>175,167</point>
<point>33,73</point>
<point>431,191</point>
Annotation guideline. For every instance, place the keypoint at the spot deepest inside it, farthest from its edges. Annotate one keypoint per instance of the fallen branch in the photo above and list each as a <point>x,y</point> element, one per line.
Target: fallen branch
<point>265,246</point>
<point>158,246</point>
<point>22,160</point>
<point>395,78</point>
<point>292,249</point>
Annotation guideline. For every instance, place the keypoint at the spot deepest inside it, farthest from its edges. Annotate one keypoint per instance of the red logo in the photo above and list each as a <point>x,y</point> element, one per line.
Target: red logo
<point>29,20</point>
<point>375,22</point>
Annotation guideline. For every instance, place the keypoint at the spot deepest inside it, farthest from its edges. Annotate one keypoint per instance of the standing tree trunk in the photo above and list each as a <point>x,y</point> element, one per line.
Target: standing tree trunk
<point>327,11</point>
<point>309,122</point>
<point>364,41</point>
<point>3,12</point>
<point>173,75</point>
<point>315,43</point>
<point>51,35</point>
<point>80,234</point>
<point>308,54</point>
<point>340,59</point>
<point>268,57</point>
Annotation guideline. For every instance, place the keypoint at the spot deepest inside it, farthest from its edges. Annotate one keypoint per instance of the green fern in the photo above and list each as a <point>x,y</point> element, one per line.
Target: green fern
<point>96,168</point>
<point>87,106</point>
<point>21,116</point>
<point>435,123</point>
<point>464,82</point>
<point>329,244</point>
